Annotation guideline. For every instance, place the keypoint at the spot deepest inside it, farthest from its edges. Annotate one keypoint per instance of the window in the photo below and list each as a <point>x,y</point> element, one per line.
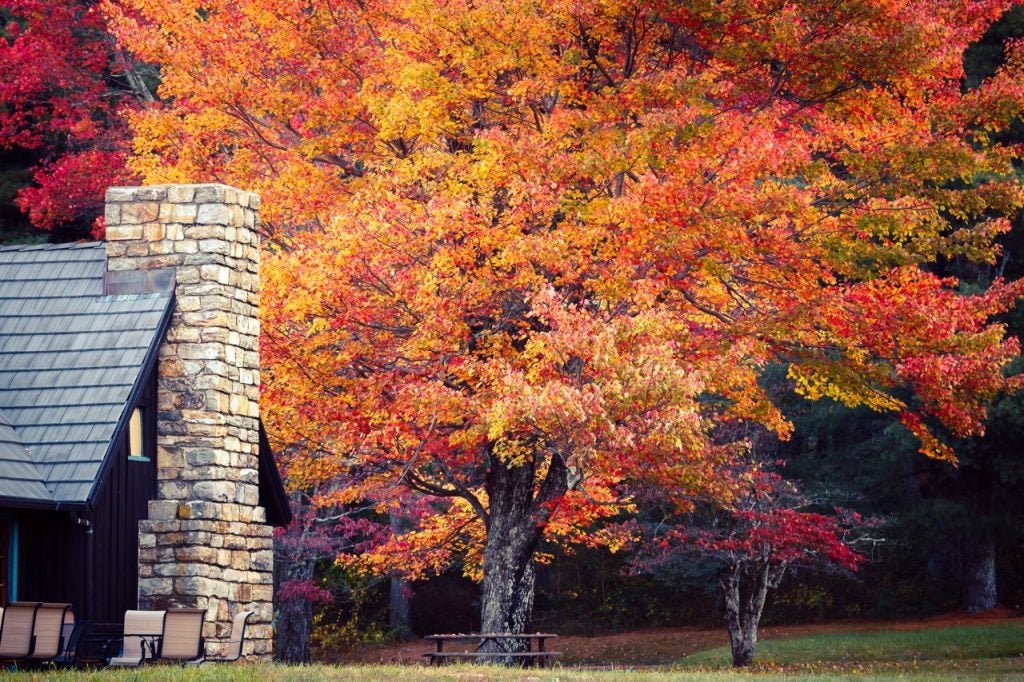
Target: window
<point>136,435</point>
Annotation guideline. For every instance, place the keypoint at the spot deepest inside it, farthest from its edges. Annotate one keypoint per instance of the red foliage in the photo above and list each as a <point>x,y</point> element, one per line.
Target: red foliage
<point>318,534</point>
<point>767,526</point>
<point>72,187</point>
<point>307,590</point>
<point>58,82</point>
<point>783,536</point>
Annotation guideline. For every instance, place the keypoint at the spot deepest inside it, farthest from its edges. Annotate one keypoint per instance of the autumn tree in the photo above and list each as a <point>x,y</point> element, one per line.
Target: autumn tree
<point>63,88</point>
<point>521,257</point>
<point>316,535</point>
<point>768,531</point>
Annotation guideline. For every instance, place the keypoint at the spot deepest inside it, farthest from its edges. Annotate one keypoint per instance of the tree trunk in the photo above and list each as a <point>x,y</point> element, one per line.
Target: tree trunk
<point>294,615</point>
<point>742,647</point>
<point>400,611</point>
<point>519,508</point>
<point>978,573</point>
<point>508,587</point>
<point>512,536</point>
<point>744,604</point>
<point>978,546</point>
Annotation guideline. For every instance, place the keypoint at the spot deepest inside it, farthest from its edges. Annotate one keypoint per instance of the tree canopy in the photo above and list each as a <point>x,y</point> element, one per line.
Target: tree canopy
<point>525,257</point>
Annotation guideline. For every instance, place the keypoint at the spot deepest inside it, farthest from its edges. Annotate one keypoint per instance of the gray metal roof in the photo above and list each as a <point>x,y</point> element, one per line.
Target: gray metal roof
<point>70,357</point>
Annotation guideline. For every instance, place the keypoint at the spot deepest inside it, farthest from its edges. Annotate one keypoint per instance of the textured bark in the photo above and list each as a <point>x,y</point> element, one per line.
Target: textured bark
<point>978,572</point>
<point>517,514</point>
<point>508,589</point>
<point>745,595</point>
<point>512,536</point>
<point>294,616</point>
<point>978,545</point>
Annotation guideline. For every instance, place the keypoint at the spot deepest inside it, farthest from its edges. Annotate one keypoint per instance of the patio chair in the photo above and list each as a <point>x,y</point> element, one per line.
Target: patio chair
<point>234,649</point>
<point>48,631</point>
<point>183,636</point>
<point>16,631</point>
<point>70,635</point>
<point>142,632</point>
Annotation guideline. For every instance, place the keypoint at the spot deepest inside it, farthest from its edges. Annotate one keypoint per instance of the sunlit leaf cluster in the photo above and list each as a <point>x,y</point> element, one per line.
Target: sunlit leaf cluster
<point>571,235</point>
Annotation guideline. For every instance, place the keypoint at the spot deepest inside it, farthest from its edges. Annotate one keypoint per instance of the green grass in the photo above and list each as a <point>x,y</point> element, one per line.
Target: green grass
<point>467,673</point>
<point>959,643</point>
<point>978,652</point>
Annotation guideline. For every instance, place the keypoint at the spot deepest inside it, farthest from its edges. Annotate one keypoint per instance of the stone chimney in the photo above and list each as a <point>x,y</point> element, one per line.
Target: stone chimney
<point>205,543</point>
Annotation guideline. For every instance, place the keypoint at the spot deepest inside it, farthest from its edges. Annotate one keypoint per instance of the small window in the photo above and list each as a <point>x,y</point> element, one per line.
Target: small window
<point>136,442</point>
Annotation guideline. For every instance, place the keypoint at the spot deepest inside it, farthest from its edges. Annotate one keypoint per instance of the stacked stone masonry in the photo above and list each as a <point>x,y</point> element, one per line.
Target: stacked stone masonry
<point>205,543</point>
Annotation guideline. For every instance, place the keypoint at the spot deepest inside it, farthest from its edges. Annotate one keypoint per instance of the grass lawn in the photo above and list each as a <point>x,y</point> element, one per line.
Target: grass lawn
<point>468,673</point>
<point>977,652</point>
<point>993,651</point>
<point>958,643</point>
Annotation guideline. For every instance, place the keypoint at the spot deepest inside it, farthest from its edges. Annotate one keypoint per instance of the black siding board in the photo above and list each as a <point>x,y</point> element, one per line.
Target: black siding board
<point>123,502</point>
<point>51,557</point>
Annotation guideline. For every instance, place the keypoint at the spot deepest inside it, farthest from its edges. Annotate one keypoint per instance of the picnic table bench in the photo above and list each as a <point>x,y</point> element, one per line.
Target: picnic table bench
<point>531,656</point>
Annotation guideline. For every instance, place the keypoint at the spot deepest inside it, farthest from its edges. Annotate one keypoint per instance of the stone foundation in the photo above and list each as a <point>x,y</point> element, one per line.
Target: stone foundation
<point>205,543</point>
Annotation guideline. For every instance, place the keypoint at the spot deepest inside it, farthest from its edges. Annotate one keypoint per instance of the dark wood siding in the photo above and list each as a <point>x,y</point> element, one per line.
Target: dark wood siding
<point>51,558</point>
<point>5,556</point>
<point>122,502</point>
<point>121,505</point>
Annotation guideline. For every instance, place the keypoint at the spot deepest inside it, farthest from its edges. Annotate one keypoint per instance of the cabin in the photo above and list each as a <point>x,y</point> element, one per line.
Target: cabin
<point>134,468</point>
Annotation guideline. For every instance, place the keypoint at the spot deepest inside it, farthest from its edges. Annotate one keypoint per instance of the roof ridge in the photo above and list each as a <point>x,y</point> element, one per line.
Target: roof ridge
<point>64,246</point>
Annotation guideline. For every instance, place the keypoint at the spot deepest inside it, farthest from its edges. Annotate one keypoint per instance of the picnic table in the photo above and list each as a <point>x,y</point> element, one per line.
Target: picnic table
<point>536,656</point>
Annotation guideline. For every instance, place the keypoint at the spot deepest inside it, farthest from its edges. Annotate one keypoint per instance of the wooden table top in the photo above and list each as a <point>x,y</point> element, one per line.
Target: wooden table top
<point>493,635</point>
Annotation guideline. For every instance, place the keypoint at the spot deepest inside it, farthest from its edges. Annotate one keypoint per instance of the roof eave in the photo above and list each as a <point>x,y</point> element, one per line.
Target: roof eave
<point>148,365</point>
<point>48,505</point>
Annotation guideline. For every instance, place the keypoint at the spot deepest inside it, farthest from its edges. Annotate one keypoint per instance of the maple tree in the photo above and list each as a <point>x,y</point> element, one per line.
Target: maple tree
<point>522,257</point>
<point>63,86</point>
<point>768,531</point>
<point>321,532</point>
<point>315,534</point>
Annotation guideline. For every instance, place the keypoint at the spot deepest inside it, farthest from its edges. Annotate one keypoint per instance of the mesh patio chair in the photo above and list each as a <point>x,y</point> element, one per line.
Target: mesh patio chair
<point>142,632</point>
<point>16,631</point>
<point>70,635</point>
<point>183,636</point>
<point>48,631</point>
<point>234,648</point>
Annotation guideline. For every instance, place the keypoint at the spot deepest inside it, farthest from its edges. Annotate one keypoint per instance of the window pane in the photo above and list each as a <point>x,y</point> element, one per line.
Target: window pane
<point>135,434</point>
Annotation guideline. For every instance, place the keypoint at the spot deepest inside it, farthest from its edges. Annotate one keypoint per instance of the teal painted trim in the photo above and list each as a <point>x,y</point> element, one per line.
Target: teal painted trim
<point>138,458</point>
<point>12,567</point>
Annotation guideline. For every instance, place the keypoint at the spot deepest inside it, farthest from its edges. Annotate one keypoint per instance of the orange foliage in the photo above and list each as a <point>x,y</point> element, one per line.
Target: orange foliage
<point>572,231</point>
